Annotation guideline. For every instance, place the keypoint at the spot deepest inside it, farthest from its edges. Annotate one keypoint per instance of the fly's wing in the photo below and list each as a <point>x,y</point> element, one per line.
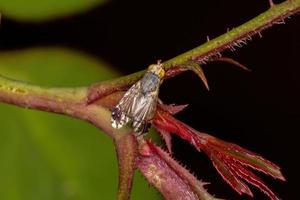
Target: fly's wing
<point>121,114</point>
<point>144,111</point>
<point>136,106</point>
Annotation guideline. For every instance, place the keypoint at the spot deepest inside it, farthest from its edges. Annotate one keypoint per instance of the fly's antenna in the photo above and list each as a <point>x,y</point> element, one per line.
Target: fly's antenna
<point>159,62</point>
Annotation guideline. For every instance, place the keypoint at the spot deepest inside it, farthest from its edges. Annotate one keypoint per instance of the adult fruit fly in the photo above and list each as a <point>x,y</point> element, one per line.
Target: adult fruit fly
<point>139,103</point>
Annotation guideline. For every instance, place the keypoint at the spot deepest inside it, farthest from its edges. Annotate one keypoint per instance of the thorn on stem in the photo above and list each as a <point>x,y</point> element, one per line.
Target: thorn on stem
<point>196,68</point>
<point>233,62</point>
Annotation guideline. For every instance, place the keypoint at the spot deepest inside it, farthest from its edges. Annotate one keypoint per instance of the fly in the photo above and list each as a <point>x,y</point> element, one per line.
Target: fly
<point>139,103</point>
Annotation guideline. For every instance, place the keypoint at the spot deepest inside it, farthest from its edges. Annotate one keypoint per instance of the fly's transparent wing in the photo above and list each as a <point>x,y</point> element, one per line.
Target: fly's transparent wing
<point>144,112</point>
<point>121,113</point>
<point>137,107</point>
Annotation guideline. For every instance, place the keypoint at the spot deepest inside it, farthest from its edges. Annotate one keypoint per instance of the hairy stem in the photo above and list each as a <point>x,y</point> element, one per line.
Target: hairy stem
<point>238,36</point>
<point>235,38</point>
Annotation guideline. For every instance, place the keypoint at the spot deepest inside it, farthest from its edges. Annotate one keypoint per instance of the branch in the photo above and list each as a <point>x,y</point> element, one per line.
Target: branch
<point>127,152</point>
<point>212,49</point>
<point>238,37</point>
<point>67,101</point>
<point>58,100</point>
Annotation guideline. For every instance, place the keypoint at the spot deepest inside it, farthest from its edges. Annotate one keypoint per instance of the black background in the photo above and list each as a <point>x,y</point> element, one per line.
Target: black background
<point>259,110</point>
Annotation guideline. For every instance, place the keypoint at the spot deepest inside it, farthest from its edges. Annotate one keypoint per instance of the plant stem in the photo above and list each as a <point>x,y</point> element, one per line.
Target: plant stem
<point>57,100</point>
<point>67,101</point>
<point>235,38</point>
<point>238,36</point>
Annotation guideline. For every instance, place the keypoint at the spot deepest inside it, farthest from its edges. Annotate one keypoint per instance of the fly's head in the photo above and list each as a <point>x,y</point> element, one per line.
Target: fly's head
<point>157,69</point>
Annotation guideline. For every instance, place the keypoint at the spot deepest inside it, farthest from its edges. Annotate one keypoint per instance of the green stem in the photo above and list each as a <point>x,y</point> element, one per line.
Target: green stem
<point>235,38</point>
<point>67,101</point>
<point>239,35</point>
<point>58,100</point>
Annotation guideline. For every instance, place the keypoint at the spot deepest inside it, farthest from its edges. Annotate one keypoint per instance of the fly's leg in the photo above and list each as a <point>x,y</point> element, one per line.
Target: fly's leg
<point>141,127</point>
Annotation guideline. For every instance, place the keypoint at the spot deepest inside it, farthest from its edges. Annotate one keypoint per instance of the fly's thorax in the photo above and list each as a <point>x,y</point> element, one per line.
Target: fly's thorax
<point>149,83</point>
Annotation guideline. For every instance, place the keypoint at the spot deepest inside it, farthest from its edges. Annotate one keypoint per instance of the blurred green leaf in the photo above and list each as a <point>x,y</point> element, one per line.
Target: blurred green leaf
<point>48,156</point>
<point>40,10</point>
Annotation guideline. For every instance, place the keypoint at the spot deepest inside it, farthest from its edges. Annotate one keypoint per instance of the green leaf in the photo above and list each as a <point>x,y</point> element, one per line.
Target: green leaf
<point>41,10</point>
<point>49,156</point>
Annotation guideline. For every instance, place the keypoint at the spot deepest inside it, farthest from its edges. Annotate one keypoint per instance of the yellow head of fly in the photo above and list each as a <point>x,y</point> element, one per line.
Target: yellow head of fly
<point>157,69</point>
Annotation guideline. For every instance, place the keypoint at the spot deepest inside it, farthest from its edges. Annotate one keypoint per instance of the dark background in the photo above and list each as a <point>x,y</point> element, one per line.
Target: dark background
<point>259,110</point>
